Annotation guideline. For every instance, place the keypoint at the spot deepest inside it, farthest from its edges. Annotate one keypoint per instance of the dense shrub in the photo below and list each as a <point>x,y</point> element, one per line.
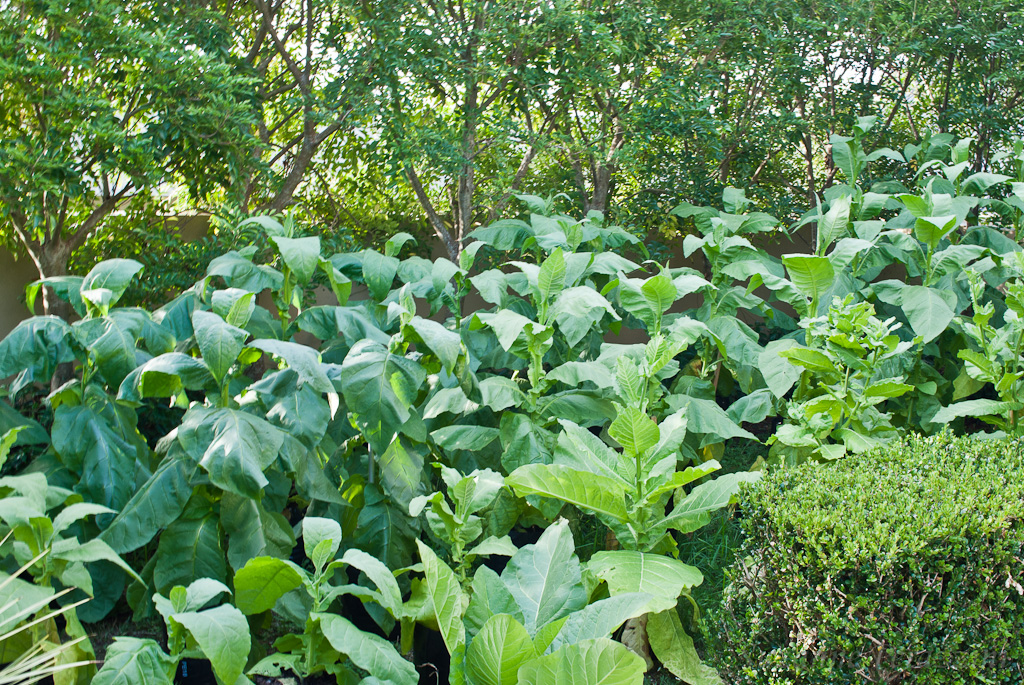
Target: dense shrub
<point>901,565</point>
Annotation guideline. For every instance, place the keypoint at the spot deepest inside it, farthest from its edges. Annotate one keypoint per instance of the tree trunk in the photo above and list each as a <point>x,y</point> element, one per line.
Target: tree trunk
<point>602,189</point>
<point>51,260</point>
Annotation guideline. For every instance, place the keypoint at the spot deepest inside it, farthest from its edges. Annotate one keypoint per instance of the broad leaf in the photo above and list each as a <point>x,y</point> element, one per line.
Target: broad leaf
<point>449,606</point>
<point>929,310</point>
<point>811,274</point>
<point>497,652</point>
<point>590,491</point>
<point>302,359</point>
<point>219,342</point>
<point>603,617</point>
<point>635,431</point>
<point>379,388</point>
<point>222,633</point>
<point>155,505</point>
<point>545,578</point>
<point>302,255</point>
<point>263,581</point>
<point>369,652</point>
<point>189,549</point>
<point>595,662</point>
<point>135,661</point>
<point>652,574</point>
<point>674,649</point>
<point>234,447</point>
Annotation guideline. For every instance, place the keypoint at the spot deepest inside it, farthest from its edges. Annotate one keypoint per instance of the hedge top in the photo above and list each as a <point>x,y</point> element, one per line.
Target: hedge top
<point>897,502</point>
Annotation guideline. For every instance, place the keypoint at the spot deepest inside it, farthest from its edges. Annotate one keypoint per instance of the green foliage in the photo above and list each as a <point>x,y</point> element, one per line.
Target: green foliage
<point>536,621</point>
<point>30,645</point>
<point>392,421</point>
<point>899,563</point>
<point>840,381</point>
<point>268,583</point>
<point>194,629</point>
<point>93,116</point>
<point>45,546</point>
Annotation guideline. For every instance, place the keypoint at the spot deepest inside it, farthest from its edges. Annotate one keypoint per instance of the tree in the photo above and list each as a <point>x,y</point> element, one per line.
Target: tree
<point>103,102</point>
<point>313,67</point>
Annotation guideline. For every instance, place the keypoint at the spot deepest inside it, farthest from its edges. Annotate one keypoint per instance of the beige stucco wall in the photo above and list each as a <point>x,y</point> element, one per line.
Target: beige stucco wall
<point>14,276</point>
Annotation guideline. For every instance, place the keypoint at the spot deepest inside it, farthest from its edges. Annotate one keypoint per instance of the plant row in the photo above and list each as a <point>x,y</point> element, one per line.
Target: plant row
<point>407,441</point>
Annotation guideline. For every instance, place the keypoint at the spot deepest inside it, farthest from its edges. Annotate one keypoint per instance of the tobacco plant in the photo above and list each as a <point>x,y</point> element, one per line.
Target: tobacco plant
<point>535,621</point>
<point>194,630</point>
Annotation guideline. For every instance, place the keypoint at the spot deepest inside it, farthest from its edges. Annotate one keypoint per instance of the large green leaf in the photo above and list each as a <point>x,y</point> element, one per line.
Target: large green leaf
<point>591,662</point>
<point>234,447</point>
<point>401,471</point>
<point>465,437</point>
<point>33,350</point>
<point>580,449</point>
<point>652,574</point>
<point>674,649</point>
<point>930,230</point>
<point>379,273</point>
<point>239,272</point>
<point>778,373</point>
<point>603,617</point>
<point>303,414</point>
<point>88,444</point>
<point>263,581</point>
<point>551,277</point>
<point>379,388</point>
<point>390,595</point>
<point>635,431</point>
<point>981,407</point>
<point>835,223</point>
<point>135,661</point>
<point>811,274</point>
<point>508,326</point>
<point>253,531</point>
<point>929,310</point>
<point>302,359</point>
<point>222,633</point>
<point>114,275</point>
<point>707,418</point>
<point>707,497</point>
<point>523,441</point>
<point>449,606</point>
<point>302,255</point>
<point>545,578</point>
<point>166,376</point>
<point>660,293</point>
<point>385,530</point>
<point>808,358</point>
<point>445,344</point>
<point>155,505</point>
<point>590,491</point>
<point>113,351</point>
<point>497,652</point>
<point>579,310</point>
<point>219,342</point>
<point>490,597</point>
<point>189,549</point>
<point>369,652</point>
<point>71,550</point>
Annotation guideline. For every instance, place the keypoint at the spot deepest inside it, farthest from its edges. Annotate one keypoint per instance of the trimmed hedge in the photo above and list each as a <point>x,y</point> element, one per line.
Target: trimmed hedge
<point>905,565</point>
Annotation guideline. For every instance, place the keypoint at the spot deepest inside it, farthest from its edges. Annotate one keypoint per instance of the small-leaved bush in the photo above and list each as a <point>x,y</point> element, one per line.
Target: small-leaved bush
<point>902,565</point>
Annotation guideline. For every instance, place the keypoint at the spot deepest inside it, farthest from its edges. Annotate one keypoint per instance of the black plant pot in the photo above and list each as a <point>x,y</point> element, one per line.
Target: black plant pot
<point>195,672</point>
